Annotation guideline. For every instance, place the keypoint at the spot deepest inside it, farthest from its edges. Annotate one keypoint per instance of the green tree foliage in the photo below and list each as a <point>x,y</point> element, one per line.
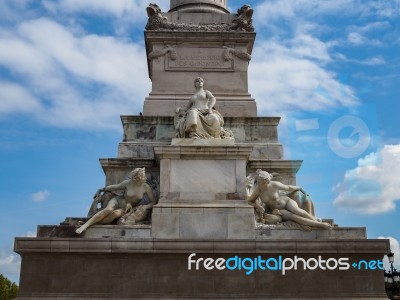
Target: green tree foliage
<point>8,289</point>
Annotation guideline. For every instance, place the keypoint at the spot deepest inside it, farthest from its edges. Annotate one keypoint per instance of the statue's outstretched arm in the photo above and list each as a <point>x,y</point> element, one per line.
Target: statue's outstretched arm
<point>113,187</point>
<point>289,188</point>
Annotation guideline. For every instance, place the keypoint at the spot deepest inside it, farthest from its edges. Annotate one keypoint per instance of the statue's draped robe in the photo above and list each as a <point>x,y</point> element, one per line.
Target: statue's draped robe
<point>205,125</point>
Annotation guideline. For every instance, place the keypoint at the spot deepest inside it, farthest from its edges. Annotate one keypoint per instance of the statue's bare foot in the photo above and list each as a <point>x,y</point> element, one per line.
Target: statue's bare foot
<point>80,230</point>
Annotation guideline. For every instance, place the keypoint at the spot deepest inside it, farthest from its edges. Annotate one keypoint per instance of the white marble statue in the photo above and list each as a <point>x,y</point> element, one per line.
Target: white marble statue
<point>199,119</point>
<point>134,189</point>
<point>281,206</point>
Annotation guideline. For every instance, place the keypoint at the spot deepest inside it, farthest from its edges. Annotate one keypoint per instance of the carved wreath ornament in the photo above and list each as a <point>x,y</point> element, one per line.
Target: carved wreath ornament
<point>157,21</point>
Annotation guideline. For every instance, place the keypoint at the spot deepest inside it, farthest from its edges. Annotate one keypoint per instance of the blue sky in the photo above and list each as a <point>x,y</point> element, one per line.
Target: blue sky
<point>70,68</point>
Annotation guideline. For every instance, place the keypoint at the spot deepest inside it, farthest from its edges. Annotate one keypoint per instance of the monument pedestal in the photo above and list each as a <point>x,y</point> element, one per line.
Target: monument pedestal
<point>124,268</point>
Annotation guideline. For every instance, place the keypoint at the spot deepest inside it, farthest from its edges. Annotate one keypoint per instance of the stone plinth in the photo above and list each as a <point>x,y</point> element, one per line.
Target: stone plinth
<point>202,192</point>
<point>202,173</point>
<point>115,268</point>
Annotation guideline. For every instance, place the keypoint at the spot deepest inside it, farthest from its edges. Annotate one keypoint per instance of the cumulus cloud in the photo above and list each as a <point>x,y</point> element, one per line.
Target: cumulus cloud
<point>358,35</point>
<point>372,187</point>
<point>270,10</point>
<point>15,98</point>
<point>126,11</point>
<point>135,8</point>
<point>292,75</point>
<point>294,66</point>
<point>293,69</point>
<point>79,81</point>
<point>40,196</point>
<point>82,80</point>
<point>395,248</point>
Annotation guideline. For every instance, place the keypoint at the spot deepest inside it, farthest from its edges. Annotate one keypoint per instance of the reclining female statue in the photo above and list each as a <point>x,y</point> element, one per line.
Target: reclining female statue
<point>134,189</point>
<point>199,119</point>
<point>280,205</point>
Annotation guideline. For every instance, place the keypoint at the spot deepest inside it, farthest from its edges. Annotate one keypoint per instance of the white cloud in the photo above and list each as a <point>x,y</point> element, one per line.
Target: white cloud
<point>282,17</point>
<point>293,67</point>
<point>135,9</point>
<point>11,11</point>
<point>291,75</point>
<point>86,81</point>
<point>395,248</point>
<point>275,9</point>
<point>40,196</point>
<point>14,98</point>
<point>10,265</point>
<point>356,38</point>
<point>374,61</point>
<point>77,81</point>
<point>372,187</point>
<point>358,35</point>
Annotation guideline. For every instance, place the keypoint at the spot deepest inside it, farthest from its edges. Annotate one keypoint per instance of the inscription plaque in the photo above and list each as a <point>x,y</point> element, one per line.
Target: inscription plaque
<point>199,59</point>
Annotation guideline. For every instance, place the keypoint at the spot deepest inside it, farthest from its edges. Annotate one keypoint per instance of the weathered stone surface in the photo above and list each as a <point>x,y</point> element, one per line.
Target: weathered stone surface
<point>227,106</point>
<point>262,130</point>
<point>227,219</point>
<point>117,170</point>
<point>118,231</point>
<point>202,173</point>
<point>198,176</point>
<point>56,231</point>
<point>271,232</point>
<point>154,269</point>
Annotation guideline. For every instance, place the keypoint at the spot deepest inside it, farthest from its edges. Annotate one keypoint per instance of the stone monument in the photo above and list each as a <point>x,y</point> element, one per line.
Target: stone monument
<point>200,202</point>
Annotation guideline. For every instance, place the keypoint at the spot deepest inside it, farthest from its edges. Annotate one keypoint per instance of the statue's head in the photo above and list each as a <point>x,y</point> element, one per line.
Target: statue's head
<point>138,174</point>
<point>153,10</point>
<point>263,176</point>
<point>198,81</point>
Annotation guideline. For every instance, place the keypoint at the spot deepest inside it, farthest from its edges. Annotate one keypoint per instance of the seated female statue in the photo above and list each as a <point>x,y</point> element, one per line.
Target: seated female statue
<point>199,119</point>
